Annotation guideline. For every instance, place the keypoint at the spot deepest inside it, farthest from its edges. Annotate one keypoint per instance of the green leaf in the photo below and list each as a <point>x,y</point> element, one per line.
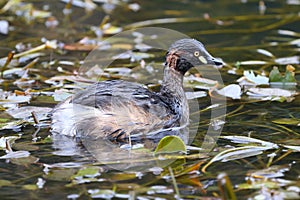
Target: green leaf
<point>287,121</point>
<point>289,77</point>
<point>275,75</point>
<point>5,183</point>
<point>30,187</point>
<point>88,172</point>
<point>170,144</point>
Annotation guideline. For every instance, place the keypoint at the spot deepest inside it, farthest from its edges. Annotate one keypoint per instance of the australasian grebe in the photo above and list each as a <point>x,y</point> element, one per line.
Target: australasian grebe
<point>119,109</point>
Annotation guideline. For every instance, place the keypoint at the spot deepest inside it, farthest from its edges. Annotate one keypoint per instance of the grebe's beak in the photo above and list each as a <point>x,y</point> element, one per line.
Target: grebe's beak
<point>210,60</point>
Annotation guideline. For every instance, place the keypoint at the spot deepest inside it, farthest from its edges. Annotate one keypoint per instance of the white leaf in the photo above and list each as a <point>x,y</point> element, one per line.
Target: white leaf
<point>253,62</point>
<point>233,91</point>
<point>195,95</point>
<point>16,154</point>
<point>259,80</point>
<point>265,52</point>
<point>4,27</point>
<point>288,60</point>
<point>270,92</point>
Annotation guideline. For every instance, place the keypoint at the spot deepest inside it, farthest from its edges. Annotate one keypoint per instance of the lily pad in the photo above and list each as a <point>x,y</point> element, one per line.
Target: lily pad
<point>170,144</point>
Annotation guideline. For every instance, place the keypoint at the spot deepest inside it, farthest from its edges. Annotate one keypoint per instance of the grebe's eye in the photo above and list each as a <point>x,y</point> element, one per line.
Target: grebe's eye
<point>196,53</point>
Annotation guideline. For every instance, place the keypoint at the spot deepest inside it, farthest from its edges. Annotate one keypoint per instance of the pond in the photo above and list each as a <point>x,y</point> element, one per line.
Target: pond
<point>244,132</point>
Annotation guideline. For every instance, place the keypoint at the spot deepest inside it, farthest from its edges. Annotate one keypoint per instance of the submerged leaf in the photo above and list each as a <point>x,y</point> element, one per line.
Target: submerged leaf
<point>287,121</point>
<point>25,112</point>
<point>226,187</point>
<point>30,187</point>
<point>5,183</point>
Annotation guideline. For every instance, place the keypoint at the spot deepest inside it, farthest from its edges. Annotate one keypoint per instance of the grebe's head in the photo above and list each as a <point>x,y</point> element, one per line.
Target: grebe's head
<point>186,53</point>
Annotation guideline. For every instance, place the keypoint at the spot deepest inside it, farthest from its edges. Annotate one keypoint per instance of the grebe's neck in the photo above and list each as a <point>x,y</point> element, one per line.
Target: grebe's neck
<point>172,89</point>
<point>172,83</point>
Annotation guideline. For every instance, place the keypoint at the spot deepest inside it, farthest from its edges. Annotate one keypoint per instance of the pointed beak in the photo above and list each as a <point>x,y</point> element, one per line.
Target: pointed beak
<point>209,60</point>
<point>216,61</point>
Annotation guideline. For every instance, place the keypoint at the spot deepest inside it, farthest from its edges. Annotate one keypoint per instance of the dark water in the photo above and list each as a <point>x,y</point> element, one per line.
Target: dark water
<point>233,31</point>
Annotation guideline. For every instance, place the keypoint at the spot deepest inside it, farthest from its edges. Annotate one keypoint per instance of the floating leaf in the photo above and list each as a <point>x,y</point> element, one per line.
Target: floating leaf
<point>8,98</point>
<point>4,27</point>
<point>199,82</point>
<point>270,92</point>
<point>169,144</point>
<point>16,154</point>
<point>249,140</point>
<point>237,153</point>
<point>61,94</point>
<point>88,5</point>
<point>25,112</point>
<point>111,30</point>
<point>275,75</point>
<point>87,172</point>
<point>4,141</point>
<point>288,60</point>
<point>288,77</point>
<point>294,148</point>
<point>258,184</point>
<point>253,62</point>
<point>233,91</point>
<point>265,52</point>
<point>24,161</point>
<point>195,95</point>
<point>275,171</point>
<point>289,74</point>
<point>103,194</point>
<point>258,80</point>
<point>287,32</point>
<point>15,125</point>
